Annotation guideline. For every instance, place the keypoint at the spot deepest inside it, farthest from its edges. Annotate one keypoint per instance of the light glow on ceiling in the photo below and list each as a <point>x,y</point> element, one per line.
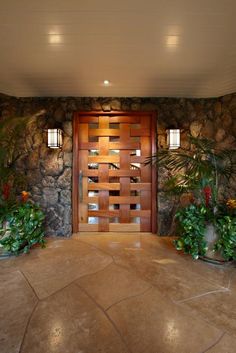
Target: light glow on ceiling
<point>106,83</point>
<point>172,41</point>
<point>54,38</point>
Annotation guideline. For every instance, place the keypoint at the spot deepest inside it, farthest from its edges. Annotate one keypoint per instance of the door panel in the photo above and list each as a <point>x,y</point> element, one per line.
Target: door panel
<point>112,189</point>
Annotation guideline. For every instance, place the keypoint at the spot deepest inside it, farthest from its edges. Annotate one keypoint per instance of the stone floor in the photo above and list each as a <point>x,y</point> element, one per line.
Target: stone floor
<point>114,293</point>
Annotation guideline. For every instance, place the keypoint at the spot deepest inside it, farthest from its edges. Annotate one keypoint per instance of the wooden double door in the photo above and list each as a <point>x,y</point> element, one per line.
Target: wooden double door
<point>112,188</point>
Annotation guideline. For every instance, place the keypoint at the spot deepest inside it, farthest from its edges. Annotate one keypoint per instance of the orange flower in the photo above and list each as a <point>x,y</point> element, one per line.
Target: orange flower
<point>231,203</point>
<point>24,196</point>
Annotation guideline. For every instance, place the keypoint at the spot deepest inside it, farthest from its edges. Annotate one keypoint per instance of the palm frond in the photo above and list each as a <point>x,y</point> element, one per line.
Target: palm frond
<point>202,143</point>
<point>198,167</point>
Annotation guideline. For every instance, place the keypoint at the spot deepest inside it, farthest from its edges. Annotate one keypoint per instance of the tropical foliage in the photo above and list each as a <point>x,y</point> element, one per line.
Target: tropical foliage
<point>21,221</point>
<point>200,172</point>
<point>203,165</point>
<point>11,131</point>
<point>22,226</point>
<point>192,221</point>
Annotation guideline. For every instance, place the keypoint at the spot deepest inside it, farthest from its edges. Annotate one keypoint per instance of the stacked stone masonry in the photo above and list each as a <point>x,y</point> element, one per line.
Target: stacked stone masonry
<point>49,172</point>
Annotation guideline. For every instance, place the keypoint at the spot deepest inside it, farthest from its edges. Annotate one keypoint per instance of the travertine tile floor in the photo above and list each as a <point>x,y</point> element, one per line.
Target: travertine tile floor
<point>114,293</point>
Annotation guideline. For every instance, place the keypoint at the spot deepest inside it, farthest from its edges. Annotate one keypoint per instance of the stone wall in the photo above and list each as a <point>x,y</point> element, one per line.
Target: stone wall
<point>49,171</point>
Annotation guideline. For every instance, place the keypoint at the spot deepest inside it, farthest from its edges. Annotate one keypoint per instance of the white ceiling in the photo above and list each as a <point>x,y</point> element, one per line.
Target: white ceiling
<point>174,48</point>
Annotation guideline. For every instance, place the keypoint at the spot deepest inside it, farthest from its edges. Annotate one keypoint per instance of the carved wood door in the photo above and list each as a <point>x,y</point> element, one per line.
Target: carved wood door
<point>112,189</point>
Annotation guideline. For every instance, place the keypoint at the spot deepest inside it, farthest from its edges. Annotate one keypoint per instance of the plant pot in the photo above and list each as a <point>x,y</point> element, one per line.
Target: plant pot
<point>211,237</point>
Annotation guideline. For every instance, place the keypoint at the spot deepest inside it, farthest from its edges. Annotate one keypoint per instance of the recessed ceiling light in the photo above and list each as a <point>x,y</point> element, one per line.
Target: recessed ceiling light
<point>172,41</point>
<point>106,82</point>
<point>54,38</point>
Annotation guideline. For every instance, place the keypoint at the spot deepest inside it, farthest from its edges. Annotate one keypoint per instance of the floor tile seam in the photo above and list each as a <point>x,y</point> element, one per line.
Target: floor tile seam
<point>102,250</point>
<point>192,271</point>
<point>94,273</point>
<point>97,248</point>
<point>129,297</point>
<point>195,271</point>
<point>134,274</point>
<point>107,253</point>
<point>73,282</point>
<point>117,265</point>
<point>58,290</point>
<point>152,285</point>
<point>177,303</point>
<point>196,313</point>
<point>106,315</point>
<point>211,281</point>
<point>29,284</point>
<point>156,287</point>
<point>140,277</point>
<point>219,267</point>
<point>27,326</point>
<point>215,343</point>
<point>226,290</point>
<point>182,305</point>
<point>207,281</point>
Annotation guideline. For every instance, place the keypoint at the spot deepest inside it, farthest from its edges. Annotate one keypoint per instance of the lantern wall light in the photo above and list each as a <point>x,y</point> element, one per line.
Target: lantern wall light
<point>54,138</point>
<point>173,138</point>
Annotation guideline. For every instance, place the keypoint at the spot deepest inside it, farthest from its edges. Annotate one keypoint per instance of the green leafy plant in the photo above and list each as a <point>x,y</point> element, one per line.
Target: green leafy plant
<point>192,221</point>
<point>193,169</point>
<point>22,227</point>
<point>198,172</point>
<point>226,227</point>
<point>191,227</point>
<point>21,221</point>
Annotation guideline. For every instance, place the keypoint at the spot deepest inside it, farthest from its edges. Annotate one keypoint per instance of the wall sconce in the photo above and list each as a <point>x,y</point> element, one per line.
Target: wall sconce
<point>54,138</point>
<point>173,138</point>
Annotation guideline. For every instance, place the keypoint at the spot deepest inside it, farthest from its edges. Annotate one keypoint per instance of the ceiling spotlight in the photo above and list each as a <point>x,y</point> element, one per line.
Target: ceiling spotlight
<point>54,38</point>
<point>172,41</point>
<point>106,82</point>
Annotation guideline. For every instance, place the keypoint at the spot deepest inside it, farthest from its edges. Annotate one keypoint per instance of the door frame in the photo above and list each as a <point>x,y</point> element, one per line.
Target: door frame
<point>75,169</point>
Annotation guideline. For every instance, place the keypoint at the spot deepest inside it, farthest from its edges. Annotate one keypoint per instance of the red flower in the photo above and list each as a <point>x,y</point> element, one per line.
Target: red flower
<point>207,193</point>
<point>6,191</point>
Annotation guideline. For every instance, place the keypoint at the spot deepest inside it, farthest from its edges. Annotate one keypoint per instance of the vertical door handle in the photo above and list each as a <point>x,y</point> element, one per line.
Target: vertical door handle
<point>80,186</point>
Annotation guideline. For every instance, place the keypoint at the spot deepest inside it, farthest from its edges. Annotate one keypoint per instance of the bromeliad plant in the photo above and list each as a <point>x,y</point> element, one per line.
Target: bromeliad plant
<point>198,173</point>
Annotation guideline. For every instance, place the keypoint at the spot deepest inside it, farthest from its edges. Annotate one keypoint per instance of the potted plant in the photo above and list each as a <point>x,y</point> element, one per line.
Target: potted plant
<point>202,175</point>
<point>208,233</point>
<point>21,224</point>
<point>21,221</point>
